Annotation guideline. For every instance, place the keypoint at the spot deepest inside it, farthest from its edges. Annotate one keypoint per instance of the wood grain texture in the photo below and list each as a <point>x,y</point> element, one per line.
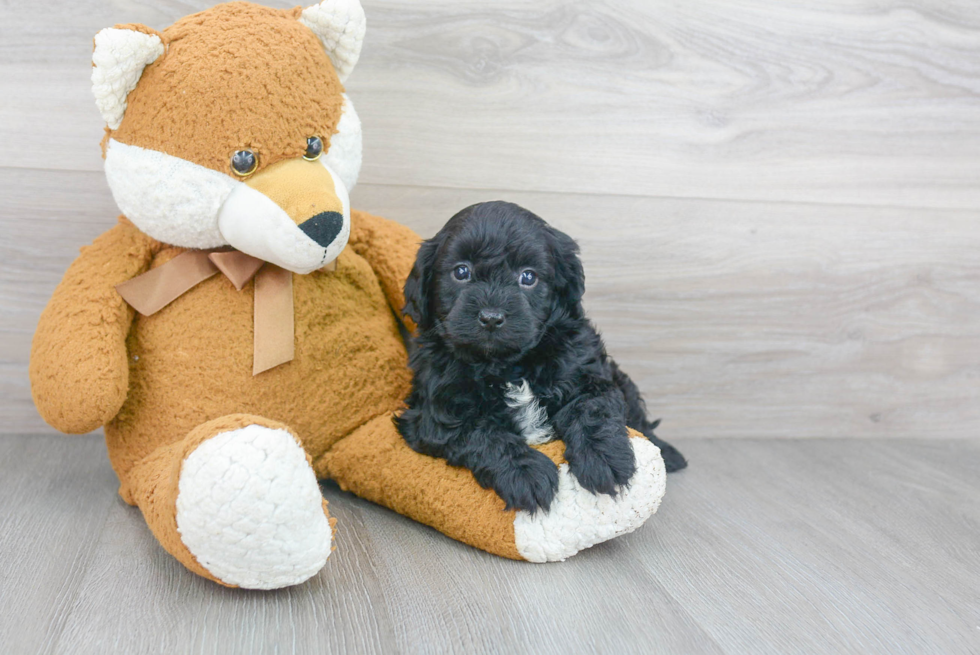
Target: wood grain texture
<point>770,319</point>
<point>735,318</point>
<point>55,496</point>
<point>739,316</point>
<point>864,101</point>
<point>761,546</point>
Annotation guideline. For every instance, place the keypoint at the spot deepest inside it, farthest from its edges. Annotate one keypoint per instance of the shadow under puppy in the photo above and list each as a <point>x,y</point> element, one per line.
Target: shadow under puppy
<point>505,358</point>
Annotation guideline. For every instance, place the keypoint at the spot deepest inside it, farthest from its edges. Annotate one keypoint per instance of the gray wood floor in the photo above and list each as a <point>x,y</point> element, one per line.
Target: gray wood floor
<point>761,546</point>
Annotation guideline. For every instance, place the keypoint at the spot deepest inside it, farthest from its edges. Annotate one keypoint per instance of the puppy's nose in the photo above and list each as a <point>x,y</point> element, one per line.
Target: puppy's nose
<point>491,319</point>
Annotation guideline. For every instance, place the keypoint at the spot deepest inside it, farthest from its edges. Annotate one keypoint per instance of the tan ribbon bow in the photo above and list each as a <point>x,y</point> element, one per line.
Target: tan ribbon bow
<point>273,341</point>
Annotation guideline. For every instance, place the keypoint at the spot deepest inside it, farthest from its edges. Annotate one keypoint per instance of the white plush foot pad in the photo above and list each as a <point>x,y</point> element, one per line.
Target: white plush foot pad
<point>579,519</point>
<point>250,510</point>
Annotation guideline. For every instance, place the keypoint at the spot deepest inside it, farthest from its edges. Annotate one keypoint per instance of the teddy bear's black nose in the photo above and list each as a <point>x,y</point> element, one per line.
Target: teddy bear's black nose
<point>324,227</point>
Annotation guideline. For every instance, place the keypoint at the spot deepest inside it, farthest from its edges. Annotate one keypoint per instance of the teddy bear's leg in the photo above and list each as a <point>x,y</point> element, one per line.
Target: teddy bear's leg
<point>375,463</point>
<point>236,501</point>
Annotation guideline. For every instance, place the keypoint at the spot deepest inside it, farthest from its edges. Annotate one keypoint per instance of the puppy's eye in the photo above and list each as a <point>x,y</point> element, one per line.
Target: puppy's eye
<point>244,163</point>
<point>461,272</point>
<point>314,146</point>
<point>528,278</point>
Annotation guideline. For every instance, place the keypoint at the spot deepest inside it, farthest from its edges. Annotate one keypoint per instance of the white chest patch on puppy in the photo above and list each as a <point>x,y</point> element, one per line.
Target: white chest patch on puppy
<point>531,417</point>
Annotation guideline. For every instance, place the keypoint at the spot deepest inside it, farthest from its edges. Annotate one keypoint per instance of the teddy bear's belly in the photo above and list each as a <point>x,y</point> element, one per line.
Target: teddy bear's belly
<point>192,362</point>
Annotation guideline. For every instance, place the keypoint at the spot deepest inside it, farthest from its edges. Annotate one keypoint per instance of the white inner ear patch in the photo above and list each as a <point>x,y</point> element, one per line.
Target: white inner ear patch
<point>530,416</point>
<point>340,26</point>
<point>118,61</point>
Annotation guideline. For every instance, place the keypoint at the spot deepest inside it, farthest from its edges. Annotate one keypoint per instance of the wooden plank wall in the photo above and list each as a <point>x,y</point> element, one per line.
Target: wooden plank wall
<point>777,201</point>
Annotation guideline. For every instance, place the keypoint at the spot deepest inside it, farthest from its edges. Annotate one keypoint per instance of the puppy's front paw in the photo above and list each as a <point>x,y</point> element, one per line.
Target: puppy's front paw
<point>528,483</point>
<point>604,461</point>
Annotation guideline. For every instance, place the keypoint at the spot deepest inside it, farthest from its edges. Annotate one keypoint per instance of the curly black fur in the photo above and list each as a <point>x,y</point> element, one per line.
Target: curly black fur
<point>462,364</point>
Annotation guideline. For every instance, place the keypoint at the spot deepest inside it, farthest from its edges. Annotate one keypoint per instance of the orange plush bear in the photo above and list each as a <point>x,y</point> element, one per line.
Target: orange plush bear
<point>236,332</point>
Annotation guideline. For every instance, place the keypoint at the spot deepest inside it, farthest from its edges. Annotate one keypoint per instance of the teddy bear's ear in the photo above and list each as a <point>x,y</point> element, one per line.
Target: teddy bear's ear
<point>120,55</point>
<point>340,26</point>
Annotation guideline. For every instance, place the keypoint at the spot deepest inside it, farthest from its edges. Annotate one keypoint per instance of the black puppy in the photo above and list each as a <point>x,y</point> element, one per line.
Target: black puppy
<point>505,358</point>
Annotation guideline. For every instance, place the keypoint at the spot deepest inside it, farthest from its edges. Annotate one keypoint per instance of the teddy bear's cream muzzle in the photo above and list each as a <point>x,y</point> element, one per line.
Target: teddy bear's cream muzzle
<point>295,214</point>
<point>184,204</point>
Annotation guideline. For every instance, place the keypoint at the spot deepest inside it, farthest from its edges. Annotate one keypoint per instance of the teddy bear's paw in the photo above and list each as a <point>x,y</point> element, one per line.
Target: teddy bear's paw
<point>250,510</point>
<point>579,519</point>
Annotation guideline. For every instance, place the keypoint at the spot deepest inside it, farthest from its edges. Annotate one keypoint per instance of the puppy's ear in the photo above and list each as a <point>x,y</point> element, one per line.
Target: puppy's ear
<point>417,286</point>
<point>569,275</point>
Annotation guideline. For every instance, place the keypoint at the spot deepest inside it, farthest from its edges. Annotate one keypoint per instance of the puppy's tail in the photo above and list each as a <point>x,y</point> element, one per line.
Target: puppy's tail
<point>636,418</point>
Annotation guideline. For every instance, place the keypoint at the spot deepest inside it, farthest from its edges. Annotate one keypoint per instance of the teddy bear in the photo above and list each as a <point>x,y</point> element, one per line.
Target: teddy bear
<point>239,332</point>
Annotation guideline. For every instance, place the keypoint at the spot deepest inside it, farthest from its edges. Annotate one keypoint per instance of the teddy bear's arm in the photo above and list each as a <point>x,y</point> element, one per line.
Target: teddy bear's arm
<point>78,370</point>
<point>390,249</point>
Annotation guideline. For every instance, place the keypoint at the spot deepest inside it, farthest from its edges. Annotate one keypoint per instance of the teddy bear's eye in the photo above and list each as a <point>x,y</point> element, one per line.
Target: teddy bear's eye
<point>244,162</point>
<point>314,146</point>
